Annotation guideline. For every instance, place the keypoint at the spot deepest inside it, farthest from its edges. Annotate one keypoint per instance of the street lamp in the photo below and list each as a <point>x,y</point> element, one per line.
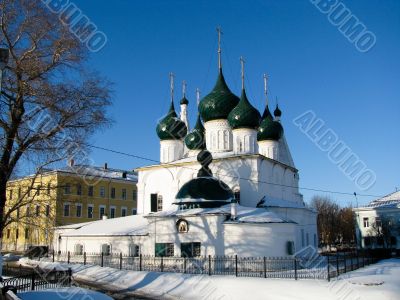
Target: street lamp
<point>4,54</point>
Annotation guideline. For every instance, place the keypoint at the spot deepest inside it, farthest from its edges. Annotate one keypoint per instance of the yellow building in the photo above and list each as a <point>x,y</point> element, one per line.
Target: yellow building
<point>71,195</point>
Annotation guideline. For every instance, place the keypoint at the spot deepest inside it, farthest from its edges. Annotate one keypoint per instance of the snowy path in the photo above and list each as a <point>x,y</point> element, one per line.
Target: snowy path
<point>380,281</point>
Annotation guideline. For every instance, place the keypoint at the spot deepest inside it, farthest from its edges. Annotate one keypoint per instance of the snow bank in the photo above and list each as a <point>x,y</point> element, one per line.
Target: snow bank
<point>379,281</point>
<point>73,293</point>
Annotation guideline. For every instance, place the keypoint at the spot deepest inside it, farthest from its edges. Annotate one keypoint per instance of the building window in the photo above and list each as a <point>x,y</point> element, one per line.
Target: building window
<point>159,203</point>
<point>66,210</point>
<point>123,212</point>
<point>79,210</point>
<point>37,210</point>
<point>79,189</point>
<point>134,250</point>
<point>47,210</point>
<point>366,222</point>
<point>102,211</point>
<point>123,195</point>
<point>112,212</point>
<point>26,233</point>
<point>90,211</point>
<point>67,189</point>
<point>190,249</point>
<point>106,249</point>
<point>19,193</point>
<point>113,193</point>
<point>134,211</point>
<point>78,249</point>
<point>10,194</point>
<point>134,195</point>
<point>8,233</point>
<point>90,191</point>
<point>17,234</point>
<point>164,249</point>
<point>102,191</point>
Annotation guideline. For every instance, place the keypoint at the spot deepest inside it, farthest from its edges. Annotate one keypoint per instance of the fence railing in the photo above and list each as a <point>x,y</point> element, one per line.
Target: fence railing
<point>315,267</point>
<point>23,280</point>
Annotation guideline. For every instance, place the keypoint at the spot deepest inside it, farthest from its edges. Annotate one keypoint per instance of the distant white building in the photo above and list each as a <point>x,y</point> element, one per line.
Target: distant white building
<point>378,223</point>
<point>227,187</point>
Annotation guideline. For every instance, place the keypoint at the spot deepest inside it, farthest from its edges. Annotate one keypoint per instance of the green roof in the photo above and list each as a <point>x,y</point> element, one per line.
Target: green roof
<point>195,139</point>
<point>171,127</point>
<point>269,130</point>
<point>219,102</point>
<point>277,111</point>
<point>244,115</point>
<point>267,114</point>
<point>184,100</point>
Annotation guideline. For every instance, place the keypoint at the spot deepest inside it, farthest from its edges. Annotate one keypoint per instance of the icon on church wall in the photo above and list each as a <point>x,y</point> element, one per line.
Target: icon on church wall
<point>182,226</point>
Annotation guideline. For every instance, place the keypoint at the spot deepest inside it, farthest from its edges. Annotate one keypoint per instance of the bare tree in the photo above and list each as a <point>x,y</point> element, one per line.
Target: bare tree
<point>385,230</point>
<point>50,102</point>
<point>336,225</point>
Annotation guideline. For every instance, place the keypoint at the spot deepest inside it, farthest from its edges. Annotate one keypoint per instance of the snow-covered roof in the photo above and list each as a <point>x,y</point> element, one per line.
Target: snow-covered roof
<point>389,201</point>
<point>130,225</point>
<point>244,214</point>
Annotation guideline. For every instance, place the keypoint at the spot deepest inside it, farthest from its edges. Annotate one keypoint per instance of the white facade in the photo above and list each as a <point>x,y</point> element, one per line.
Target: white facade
<point>218,136</point>
<point>384,211</point>
<point>171,150</point>
<point>244,141</point>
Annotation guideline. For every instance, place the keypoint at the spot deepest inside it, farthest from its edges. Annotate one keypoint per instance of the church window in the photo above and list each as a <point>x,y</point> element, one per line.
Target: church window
<point>153,202</point>
<point>190,249</point>
<point>236,194</point>
<point>134,250</point>
<point>106,249</point>
<point>226,139</point>
<point>164,249</point>
<point>78,249</point>
<point>159,203</point>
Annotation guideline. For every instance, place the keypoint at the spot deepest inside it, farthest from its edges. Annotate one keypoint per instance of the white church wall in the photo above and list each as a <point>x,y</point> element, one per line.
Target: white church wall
<point>251,240</point>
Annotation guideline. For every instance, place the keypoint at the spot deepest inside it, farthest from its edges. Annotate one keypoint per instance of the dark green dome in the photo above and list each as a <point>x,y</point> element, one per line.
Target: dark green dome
<point>195,139</point>
<point>267,114</point>
<point>269,130</point>
<point>277,112</point>
<point>219,102</point>
<point>244,115</point>
<point>171,127</point>
<point>184,101</point>
<point>205,191</point>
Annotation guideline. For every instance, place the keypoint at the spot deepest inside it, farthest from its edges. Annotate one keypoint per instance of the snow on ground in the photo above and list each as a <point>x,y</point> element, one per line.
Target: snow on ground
<point>379,281</point>
<point>73,293</point>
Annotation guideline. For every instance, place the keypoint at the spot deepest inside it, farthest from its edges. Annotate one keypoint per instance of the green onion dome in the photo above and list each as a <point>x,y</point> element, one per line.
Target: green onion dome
<point>184,100</point>
<point>205,191</point>
<point>171,127</point>
<point>195,139</point>
<point>219,102</point>
<point>267,114</point>
<point>277,112</point>
<point>269,130</point>
<point>244,115</point>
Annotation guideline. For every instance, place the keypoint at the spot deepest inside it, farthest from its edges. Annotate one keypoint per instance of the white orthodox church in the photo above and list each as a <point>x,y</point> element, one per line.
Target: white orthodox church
<point>229,186</point>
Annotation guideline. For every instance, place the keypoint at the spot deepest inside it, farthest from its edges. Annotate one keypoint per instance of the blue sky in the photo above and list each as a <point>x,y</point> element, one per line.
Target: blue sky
<point>311,65</point>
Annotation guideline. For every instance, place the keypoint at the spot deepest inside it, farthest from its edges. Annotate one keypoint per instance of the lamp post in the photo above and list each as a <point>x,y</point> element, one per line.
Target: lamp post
<point>4,54</point>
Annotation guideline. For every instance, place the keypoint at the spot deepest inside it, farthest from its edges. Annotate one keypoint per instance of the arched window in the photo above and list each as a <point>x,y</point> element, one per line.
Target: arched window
<point>236,194</point>
<point>134,250</point>
<point>78,249</point>
<point>106,249</point>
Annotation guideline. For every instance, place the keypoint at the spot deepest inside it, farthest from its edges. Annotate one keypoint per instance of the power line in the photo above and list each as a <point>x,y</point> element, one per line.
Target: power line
<point>226,175</point>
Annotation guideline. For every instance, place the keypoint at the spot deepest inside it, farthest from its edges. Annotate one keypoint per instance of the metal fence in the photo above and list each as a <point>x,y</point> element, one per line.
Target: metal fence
<point>23,280</point>
<point>314,267</point>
